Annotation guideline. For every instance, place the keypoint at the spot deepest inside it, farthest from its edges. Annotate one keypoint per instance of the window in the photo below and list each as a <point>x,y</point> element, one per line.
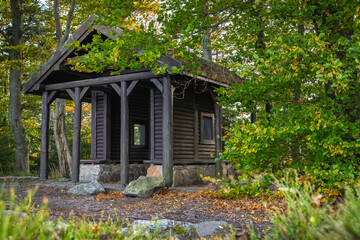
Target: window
<point>207,129</point>
<point>138,135</point>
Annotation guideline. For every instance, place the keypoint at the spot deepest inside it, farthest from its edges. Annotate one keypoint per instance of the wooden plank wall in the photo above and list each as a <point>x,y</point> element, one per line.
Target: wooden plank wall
<point>205,103</point>
<point>100,125</point>
<point>184,128</point>
<point>115,128</point>
<point>138,111</point>
<point>139,107</point>
<point>158,125</point>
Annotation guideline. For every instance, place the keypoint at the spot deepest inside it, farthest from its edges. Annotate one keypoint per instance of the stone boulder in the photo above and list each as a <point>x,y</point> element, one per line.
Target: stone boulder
<point>144,186</point>
<point>181,230</point>
<point>205,229</point>
<point>91,188</point>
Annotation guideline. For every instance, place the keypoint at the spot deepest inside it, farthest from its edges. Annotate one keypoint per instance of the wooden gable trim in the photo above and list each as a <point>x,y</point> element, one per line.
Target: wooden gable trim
<point>80,34</point>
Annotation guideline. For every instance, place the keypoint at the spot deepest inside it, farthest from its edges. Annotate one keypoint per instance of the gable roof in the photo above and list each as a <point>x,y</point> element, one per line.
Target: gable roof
<point>210,71</point>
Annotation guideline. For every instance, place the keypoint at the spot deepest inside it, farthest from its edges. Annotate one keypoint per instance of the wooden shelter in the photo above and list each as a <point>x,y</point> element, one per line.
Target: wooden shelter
<point>137,116</point>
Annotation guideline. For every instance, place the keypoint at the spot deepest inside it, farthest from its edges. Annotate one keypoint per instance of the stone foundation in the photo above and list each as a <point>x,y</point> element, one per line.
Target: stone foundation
<point>184,175</point>
<point>110,172</point>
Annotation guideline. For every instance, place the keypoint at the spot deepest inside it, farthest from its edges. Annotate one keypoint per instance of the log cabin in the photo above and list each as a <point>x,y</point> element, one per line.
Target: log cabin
<point>137,116</point>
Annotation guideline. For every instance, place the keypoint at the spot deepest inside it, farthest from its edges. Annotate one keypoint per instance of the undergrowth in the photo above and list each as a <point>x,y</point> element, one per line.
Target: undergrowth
<point>21,219</point>
<point>310,215</point>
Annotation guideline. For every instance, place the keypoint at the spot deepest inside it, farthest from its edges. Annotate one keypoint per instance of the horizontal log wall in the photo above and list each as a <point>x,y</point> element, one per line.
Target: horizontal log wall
<point>115,128</point>
<point>183,132</point>
<point>100,117</point>
<point>158,101</point>
<point>205,104</point>
<point>138,113</point>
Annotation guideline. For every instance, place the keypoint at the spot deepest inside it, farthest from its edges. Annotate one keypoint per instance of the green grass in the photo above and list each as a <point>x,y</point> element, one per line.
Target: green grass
<point>20,219</point>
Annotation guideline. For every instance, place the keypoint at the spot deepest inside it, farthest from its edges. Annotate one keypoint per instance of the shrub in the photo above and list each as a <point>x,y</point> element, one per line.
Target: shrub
<point>307,217</point>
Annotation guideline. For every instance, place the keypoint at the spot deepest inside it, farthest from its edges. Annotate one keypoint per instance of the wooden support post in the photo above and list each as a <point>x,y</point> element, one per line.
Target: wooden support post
<point>44,156</point>
<point>124,137</point>
<point>167,168</point>
<point>218,136</point>
<point>152,124</point>
<point>76,137</point>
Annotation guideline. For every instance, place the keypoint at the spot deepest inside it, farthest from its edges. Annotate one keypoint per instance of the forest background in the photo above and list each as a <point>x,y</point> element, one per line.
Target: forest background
<point>298,108</point>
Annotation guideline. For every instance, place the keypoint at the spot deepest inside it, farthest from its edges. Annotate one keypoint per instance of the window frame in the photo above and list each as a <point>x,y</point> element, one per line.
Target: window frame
<point>212,116</point>
<point>132,138</point>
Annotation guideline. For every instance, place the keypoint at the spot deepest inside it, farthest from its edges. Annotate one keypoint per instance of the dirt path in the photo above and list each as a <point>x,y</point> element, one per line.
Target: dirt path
<point>182,204</point>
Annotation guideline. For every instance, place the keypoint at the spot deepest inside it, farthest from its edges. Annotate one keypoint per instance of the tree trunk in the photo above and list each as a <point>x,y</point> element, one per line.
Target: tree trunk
<point>61,142</point>
<point>15,109</point>
<point>206,46</point>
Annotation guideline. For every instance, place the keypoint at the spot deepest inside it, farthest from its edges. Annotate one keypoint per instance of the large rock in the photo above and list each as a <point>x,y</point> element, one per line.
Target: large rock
<point>143,187</point>
<point>91,188</point>
<point>181,230</point>
<point>205,229</point>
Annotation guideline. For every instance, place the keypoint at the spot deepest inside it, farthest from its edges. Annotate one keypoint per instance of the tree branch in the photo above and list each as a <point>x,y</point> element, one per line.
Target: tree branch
<point>69,21</point>
<point>58,29</point>
<point>224,20</point>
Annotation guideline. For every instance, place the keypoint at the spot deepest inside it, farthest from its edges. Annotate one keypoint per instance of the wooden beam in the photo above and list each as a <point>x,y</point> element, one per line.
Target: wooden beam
<point>76,137</point>
<point>44,155</point>
<point>83,92</point>
<point>218,136</point>
<point>71,94</point>
<point>116,87</point>
<point>100,81</point>
<point>52,96</point>
<point>167,168</point>
<point>131,87</point>
<point>152,124</point>
<point>124,136</point>
<point>157,84</point>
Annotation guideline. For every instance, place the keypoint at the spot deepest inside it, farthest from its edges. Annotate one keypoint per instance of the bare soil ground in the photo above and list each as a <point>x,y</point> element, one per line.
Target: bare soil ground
<point>188,204</point>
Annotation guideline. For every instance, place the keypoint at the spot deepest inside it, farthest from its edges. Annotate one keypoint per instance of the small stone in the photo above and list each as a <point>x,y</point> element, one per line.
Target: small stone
<point>90,188</point>
<point>205,229</point>
<point>143,187</point>
<point>153,171</point>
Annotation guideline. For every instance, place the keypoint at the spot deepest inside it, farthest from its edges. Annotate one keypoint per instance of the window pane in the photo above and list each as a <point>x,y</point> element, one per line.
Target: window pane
<point>139,134</point>
<point>207,128</point>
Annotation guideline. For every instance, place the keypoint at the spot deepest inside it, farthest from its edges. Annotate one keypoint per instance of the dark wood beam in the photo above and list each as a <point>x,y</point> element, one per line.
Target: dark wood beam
<point>116,87</point>
<point>218,137</point>
<point>52,96</point>
<point>131,87</point>
<point>76,137</point>
<point>71,94</point>
<point>167,167</point>
<point>44,155</point>
<point>124,136</point>
<point>152,124</point>
<point>157,84</point>
<point>83,92</point>
<point>100,81</point>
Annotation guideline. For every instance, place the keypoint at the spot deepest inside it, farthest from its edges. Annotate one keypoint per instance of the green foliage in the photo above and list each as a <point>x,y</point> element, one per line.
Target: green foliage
<point>310,80</point>
<point>20,219</point>
<point>307,216</point>
<point>244,186</point>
